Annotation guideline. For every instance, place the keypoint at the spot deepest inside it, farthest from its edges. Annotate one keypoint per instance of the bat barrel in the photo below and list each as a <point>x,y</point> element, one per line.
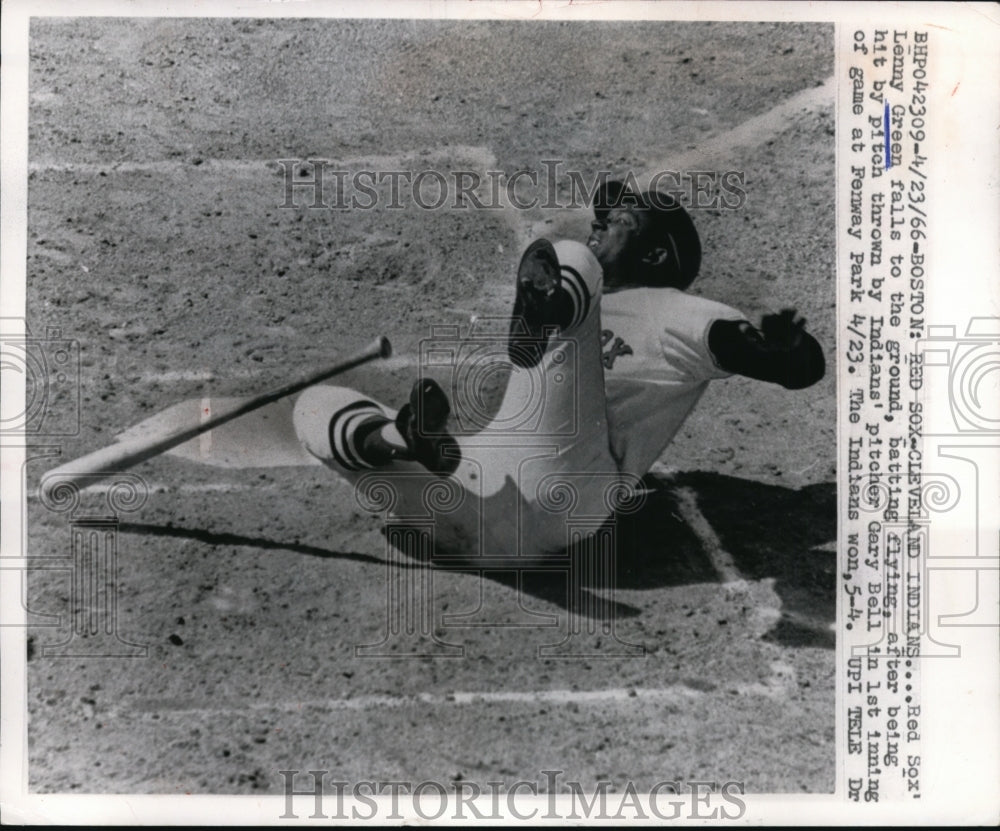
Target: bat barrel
<point>96,466</point>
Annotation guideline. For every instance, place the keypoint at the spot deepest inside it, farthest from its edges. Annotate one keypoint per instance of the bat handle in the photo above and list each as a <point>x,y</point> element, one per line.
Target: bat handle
<point>93,468</point>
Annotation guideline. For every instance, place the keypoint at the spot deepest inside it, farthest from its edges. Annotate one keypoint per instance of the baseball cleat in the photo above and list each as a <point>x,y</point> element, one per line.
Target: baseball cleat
<point>542,306</point>
<point>372,445</point>
<point>421,422</point>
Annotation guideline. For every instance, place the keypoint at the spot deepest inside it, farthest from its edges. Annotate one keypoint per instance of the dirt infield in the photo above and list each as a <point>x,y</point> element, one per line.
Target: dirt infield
<point>160,238</point>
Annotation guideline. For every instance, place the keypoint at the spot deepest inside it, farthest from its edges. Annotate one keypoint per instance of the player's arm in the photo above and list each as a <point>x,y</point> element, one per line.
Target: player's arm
<point>781,351</point>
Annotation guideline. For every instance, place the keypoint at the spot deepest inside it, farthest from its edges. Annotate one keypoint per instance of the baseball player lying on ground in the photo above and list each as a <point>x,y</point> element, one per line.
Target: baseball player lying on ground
<point>608,355</point>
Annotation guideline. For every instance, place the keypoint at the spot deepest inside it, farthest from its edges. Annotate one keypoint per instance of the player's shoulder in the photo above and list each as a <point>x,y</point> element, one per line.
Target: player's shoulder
<point>670,307</point>
<point>665,296</point>
<point>685,302</point>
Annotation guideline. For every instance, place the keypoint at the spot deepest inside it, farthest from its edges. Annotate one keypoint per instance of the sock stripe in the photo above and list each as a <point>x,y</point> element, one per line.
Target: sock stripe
<point>350,428</point>
<point>342,427</point>
<point>577,290</point>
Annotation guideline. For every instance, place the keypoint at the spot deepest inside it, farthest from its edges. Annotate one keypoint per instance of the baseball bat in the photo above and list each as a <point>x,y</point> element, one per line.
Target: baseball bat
<point>92,468</point>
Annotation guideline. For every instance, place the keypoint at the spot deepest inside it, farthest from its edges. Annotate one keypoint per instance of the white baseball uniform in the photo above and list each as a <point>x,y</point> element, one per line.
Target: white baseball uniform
<point>657,365</point>
<point>571,436</point>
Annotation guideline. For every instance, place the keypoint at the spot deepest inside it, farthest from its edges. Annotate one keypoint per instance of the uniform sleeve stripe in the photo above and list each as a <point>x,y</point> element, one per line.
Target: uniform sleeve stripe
<point>577,289</point>
<point>342,427</point>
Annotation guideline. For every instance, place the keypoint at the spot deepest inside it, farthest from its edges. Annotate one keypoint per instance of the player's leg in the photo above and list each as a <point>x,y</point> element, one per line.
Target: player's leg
<point>357,437</point>
<point>557,377</point>
<point>353,433</point>
<point>336,425</point>
<point>554,292</point>
<point>550,434</point>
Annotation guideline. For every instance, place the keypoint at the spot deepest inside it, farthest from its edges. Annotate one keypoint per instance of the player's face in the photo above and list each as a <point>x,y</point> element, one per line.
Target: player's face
<point>615,241</point>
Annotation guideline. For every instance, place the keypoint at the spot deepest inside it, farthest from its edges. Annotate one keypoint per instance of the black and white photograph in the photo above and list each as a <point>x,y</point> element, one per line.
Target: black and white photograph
<point>437,411</point>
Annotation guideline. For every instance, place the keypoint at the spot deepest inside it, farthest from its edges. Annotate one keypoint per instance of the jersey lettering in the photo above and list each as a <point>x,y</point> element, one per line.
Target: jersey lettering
<point>618,348</point>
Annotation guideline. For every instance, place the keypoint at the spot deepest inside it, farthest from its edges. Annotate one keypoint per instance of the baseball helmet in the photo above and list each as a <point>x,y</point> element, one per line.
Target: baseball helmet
<point>669,226</point>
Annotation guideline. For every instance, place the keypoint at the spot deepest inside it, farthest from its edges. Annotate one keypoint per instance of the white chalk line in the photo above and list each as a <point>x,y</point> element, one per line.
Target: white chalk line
<point>196,164</point>
<point>675,694</point>
<point>722,561</point>
<point>155,487</point>
<point>754,131</point>
<point>719,149</point>
<point>202,375</point>
<point>725,566</point>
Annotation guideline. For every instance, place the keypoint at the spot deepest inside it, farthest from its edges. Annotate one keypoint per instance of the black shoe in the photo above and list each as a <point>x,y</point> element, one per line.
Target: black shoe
<point>541,305</point>
<point>421,423</point>
<point>371,447</point>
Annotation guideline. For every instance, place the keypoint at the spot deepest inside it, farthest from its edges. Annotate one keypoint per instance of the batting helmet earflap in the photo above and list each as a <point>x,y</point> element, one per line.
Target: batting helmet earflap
<point>670,226</point>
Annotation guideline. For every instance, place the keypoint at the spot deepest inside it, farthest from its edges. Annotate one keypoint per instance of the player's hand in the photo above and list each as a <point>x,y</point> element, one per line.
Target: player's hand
<point>780,351</point>
<point>783,332</point>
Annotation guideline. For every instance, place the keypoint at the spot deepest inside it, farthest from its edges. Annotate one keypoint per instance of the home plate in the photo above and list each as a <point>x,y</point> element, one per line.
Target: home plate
<point>261,438</point>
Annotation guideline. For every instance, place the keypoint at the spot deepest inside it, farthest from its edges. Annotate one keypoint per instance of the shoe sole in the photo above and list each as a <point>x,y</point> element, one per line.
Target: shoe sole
<point>538,282</point>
